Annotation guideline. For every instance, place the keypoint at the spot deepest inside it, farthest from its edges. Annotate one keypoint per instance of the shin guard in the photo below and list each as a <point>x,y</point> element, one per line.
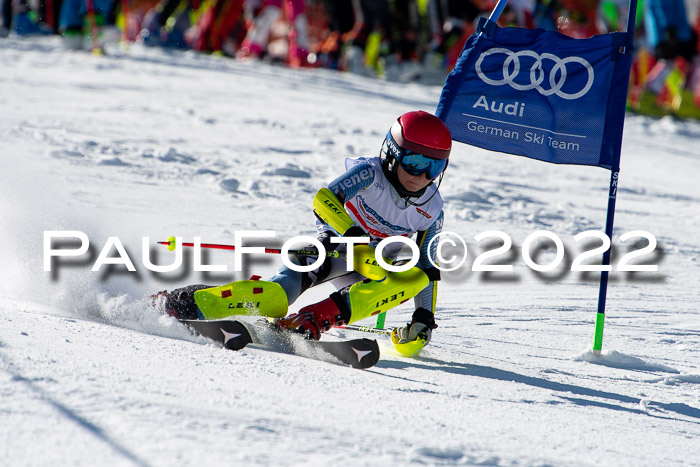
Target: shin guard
<point>257,298</point>
<point>369,298</point>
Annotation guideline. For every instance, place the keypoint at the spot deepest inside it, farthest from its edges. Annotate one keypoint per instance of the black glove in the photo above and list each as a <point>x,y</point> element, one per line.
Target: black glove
<point>325,239</point>
<point>421,326</point>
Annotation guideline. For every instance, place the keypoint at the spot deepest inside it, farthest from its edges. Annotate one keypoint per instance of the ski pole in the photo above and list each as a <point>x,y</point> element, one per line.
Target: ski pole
<point>171,244</point>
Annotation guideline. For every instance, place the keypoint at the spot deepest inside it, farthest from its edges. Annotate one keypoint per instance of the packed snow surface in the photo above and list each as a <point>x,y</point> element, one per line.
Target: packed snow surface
<point>146,143</point>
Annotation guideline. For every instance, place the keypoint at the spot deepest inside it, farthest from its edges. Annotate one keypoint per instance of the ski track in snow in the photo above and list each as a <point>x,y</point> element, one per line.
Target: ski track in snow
<point>149,143</point>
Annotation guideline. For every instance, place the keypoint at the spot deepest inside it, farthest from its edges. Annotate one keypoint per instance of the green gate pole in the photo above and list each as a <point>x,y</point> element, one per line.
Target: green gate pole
<point>381,317</point>
<point>603,291</point>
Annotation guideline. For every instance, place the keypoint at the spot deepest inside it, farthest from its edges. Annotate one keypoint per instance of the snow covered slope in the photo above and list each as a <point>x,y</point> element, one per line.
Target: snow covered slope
<point>144,143</point>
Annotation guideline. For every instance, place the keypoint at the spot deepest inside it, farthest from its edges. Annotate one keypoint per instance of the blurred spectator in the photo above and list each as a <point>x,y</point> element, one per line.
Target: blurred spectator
<point>373,16</point>
<point>340,19</point>
<point>667,30</point>
<point>666,80</point>
<point>613,14</point>
<point>579,19</point>
<point>49,11</point>
<point>398,40</point>
<point>451,22</point>
<point>73,18</point>
<point>403,60</point>
<point>216,25</point>
<point>546,13</point>
<point>524,11</point>
<point>6,18</point>
<point>256,40</point>
<point>26,16</point>
<point>166,24</point>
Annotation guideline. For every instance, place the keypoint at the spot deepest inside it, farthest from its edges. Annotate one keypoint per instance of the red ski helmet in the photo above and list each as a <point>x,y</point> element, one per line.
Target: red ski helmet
<point>420,143</point>
<point>423,133</point>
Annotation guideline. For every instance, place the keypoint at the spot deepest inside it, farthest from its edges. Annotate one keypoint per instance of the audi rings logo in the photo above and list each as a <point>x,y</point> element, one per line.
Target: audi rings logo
<point>557,75</point>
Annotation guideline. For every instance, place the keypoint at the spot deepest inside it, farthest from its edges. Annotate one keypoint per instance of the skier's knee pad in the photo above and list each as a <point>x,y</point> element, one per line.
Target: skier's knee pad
<point>257,298</point>
<point>369,298</point>
<point>365,263</point>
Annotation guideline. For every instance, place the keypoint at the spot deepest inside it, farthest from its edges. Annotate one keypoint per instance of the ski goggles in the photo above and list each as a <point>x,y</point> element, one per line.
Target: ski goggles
<point>414,163</point>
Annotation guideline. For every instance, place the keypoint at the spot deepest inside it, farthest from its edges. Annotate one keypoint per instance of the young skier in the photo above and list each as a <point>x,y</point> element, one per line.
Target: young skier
<point>395,194</point>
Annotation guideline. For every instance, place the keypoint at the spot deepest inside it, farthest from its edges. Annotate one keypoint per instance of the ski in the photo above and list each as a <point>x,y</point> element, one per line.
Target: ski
<point>234,335</point>
<point>231,334</point>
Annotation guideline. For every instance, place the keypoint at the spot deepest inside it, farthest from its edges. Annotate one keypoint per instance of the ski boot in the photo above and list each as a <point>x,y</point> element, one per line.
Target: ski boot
<point>315,319</point>
<point>178,303</point>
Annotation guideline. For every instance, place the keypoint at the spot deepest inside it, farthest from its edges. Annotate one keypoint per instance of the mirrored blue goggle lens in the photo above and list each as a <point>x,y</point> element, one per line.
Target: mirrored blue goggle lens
<point>418,164</point>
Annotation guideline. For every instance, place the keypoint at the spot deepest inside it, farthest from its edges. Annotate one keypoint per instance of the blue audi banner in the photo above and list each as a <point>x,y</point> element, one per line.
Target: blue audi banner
<point>540,94</point>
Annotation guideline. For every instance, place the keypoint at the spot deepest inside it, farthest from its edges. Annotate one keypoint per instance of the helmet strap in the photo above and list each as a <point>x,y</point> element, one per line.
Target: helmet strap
<point>432,196</point>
